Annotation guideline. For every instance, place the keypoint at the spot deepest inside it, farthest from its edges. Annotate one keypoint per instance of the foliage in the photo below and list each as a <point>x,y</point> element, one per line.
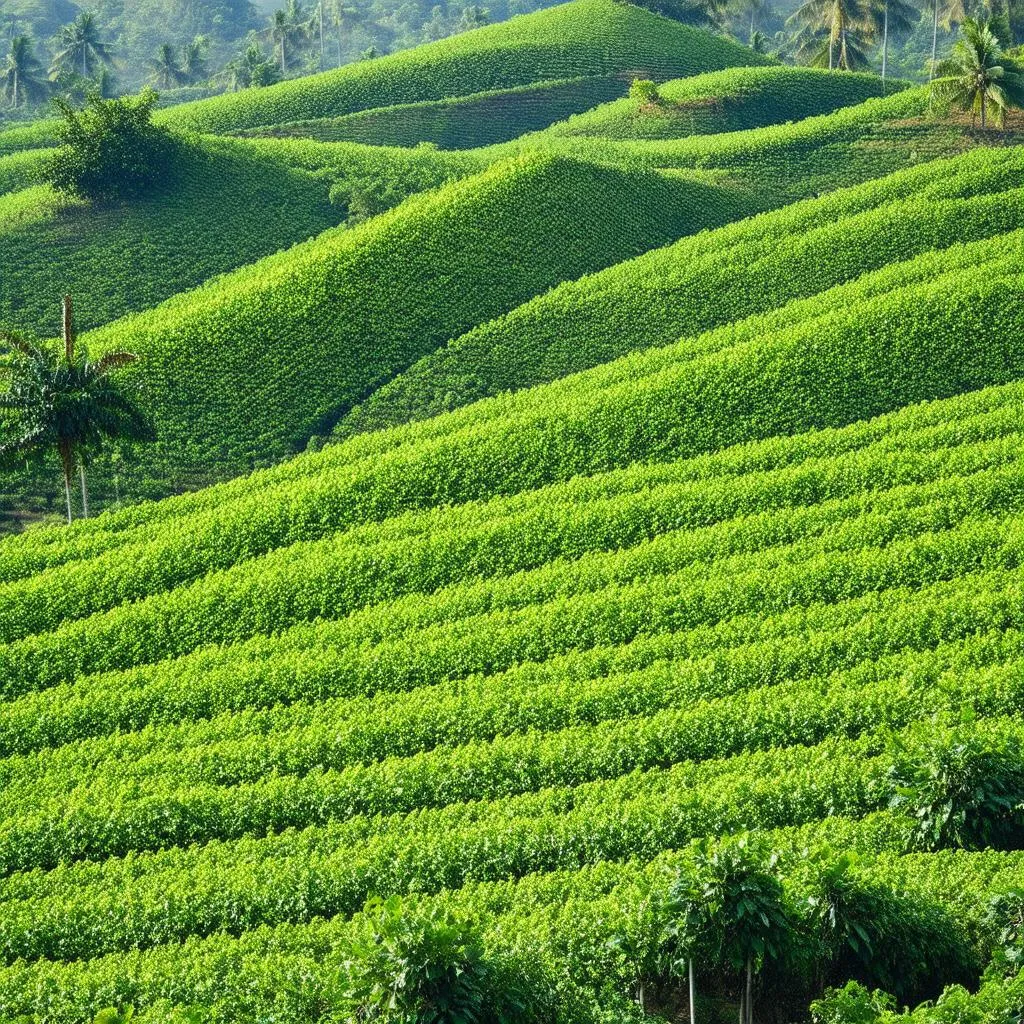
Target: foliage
<point>1004,919</point>
<point>961,792</point>
<point>644,92</point>
<point>111,151</point>
<point>977,77</point>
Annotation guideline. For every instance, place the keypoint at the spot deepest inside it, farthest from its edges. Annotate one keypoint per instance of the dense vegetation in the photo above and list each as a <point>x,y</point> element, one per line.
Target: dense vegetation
<point>621,618</point>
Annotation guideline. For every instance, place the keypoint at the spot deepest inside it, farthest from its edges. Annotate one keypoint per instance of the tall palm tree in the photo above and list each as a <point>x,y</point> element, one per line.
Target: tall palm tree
<point>63,400</point>
<point>195,65</point>
<point>833,33</point>
<point>892,17</point>
<point>290,27</point>
<point>977,76</point>
<point>165,70</point>
<point>21,74</point>
<point>345,17</point>
<point>250,69</point>
<point>81,48</point>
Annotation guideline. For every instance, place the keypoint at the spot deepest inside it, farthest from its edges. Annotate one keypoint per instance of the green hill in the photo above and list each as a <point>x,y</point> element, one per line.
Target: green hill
<point>480,119</point>
<point>710,279</point>
<point>723,101</point>
<point>582,38</point>
<point>248,367</point>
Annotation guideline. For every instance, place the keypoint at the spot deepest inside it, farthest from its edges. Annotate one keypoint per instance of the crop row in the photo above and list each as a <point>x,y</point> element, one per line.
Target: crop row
<point>395,647</point>
<point>110,816</point>
<point>332,869</point>
<point>423,551</point>
<point>291,513</point>
<point>673,670</point>
<point>249,602</point>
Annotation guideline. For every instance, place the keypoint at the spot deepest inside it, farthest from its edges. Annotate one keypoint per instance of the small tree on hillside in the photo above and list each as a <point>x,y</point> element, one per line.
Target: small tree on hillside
<point>111,150</point>
<point>644,92</point>
<point>63,401</point>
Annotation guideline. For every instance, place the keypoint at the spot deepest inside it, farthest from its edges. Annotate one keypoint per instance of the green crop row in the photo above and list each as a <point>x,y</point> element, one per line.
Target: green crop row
<point>422,551</point>
<point>722,101</point>
<point>644,302</point>
<point>463,122</point>
<point>114,814</point>
<point>571,690</point>
<point>308,583</point>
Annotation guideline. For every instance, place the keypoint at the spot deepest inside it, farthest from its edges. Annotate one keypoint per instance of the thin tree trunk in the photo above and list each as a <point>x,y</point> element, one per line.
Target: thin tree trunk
<point>983,112</point>
<point>750,994</point>
<point>85,489</point>
<point>640,995</point>
<point>284,69</point>
<point>935,38</point>
<point>85,66</point>
<point>66,461</point>
<point>752,12</point>
<point>693,995</point>
<point>743,1015</point>
<point>885,43</point>
<point>321,35</point>
<point>15,89</point>
<point>831,45</point>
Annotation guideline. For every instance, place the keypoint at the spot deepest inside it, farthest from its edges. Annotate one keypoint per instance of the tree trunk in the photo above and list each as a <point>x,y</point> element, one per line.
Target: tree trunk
<point>284,69</point>
<point>750,994</point>
<point>982,111</point>
<point>885,43</point>
<point>85,65</point>
<point>693,995</point>
<point>85,489</point>
<point>640,995</point>
<point>15,103</point>
<point>66,461</point>
<point>752,12</point>
<point>831,45</point>
<point>321,35</point>
<point>743,1015</point>
<point>935,38</point>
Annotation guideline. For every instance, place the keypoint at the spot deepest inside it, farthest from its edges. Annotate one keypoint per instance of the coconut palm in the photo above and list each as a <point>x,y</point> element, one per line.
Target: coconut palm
<point>977,77</point>
<point>833,33</point>
<point>195,60</point>
<point>165,70</point>
<point>63,400</point>
<point>290,28</point>
<point>345,18</point>
<point>892,17</point>
<point>81,48</point>
<point>21,74</point>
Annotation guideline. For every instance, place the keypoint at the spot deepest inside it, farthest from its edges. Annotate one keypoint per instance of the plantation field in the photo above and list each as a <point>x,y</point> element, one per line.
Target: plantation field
<point>553,486</point>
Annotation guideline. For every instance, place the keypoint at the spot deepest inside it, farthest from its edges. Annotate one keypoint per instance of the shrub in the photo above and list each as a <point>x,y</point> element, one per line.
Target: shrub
<point>852,1004</point>
<point>644,92</point>
<point>110,150</point>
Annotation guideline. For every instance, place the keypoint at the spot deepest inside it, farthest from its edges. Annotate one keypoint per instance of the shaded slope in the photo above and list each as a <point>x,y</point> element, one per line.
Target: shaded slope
<point>723,101</point>
<point>707,280</point>
<point>250,366</point>
<point>480,119</point>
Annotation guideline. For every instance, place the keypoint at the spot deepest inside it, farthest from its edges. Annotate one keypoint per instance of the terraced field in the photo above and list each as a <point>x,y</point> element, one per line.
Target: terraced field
<point>663,487</point>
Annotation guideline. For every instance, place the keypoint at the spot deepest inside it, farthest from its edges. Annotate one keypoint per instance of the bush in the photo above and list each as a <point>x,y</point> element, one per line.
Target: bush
<point>110,150</point>
<point>852,1004</point>
<point>645,92</point>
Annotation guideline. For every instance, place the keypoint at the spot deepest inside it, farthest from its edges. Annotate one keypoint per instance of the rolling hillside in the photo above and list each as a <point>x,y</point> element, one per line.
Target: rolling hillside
<point>575,509</point>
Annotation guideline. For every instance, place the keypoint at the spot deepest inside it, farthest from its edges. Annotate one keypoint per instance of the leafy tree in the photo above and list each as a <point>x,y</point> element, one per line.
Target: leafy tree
<point>833,33</point>
<point>195,63</point>
<point>165,70</point>
<point>345,19</point>
<point>644,92</point>
<point>727,910</point>
<point>962,789</point>
<point>977,77</point>
<point>21,73</point>
<point>1004,920</point>
<point>81,48</point>
<point>892,17</point>
<point>251,69</point>
<point>406,964</point>
<point>290,30</point>
<point>698,13</point>
<point>852,1004</point>
<point>110,150</point>
<point>62,400</point>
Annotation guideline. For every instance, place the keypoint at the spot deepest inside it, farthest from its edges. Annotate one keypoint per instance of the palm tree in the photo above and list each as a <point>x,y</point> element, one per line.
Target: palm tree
<point>81,48</point>
<point>22,74</point>
<point>977,77</point>
<point>165,70</point>
<point>290,27</point>
<point>64,400</point>
<point>194,60</point>
<point>892,17</point>
<point>345,18</point>
<point>833,33</point>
